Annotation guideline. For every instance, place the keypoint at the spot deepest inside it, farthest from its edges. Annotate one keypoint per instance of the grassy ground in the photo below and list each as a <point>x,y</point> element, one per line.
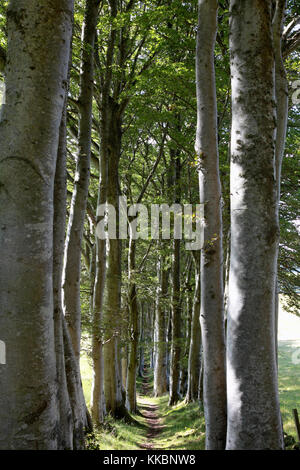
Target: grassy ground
<point>182,426</point>
<point>289,383</point>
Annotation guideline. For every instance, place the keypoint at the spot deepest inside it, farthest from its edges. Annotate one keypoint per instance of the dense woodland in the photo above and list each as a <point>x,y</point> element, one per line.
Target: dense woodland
<point>160,102</point>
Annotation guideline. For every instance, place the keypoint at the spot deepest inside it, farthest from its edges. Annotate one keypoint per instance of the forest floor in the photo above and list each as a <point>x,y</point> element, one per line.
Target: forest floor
<point>160,427</point>
<point>150,411</point>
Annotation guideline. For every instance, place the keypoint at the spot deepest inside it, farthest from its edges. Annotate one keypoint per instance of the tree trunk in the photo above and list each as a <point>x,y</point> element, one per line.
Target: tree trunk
<point>160,366</point>
<point>124,365</point>
<point>281,93</point>
<point>176,307</point>
<point>98,399</point>
<point>141,342</point>
<point>39,37</point>
<point>253,405</point>
<point>111,147</point>
<point>59,220</point>
<point>195,344</point>
<point>72,261</point>
<point>212,311</point>
<point>133,331</point>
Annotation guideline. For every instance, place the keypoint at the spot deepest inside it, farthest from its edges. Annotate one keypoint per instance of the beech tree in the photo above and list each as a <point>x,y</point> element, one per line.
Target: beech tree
<point>212,311</point>
<point>72,260</point>
<point>253,405</point>
<point>99,100</point>
<point>39,37</point>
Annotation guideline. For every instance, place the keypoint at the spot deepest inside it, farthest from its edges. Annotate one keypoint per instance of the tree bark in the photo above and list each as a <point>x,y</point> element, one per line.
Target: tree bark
<point>133,331</point>
<point>141,342</point>
<point>160,366</point>
<point>212,310</point>
<point>111,148</point>
<point>194,362</point>
<point>39,37</point>
<point>253,405</point>
<point>97,397</point>
<point>72,261</point>
<point>176,307</point>
<point>281,93</point>
<point>59,220</point>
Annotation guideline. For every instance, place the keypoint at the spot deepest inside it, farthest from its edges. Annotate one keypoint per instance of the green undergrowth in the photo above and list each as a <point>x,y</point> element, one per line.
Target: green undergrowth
<point>289,383</point>
<point>183,425</point>
<point>118,435</point>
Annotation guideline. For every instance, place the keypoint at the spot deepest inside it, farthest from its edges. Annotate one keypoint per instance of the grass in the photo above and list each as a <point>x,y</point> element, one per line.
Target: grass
<point>289,383</point>
<point>118,435</point>
<point>86,377</point>
<point>183,424</point>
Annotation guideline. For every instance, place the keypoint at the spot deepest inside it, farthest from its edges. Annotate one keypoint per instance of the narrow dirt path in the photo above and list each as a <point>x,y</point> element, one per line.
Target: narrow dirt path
<point>153,420</point>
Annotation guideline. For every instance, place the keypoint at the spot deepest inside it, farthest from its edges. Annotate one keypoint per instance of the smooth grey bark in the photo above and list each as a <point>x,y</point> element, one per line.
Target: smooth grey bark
<point>133,330</point>
<point>194,362</point>
<point>74,416</point>
<point>253,405</point>
<point>200,388</point>
<point>281,93</point>
<point>187,326</point>
<point>72,260</point>
<point>59,220</point>
<point>39,37</point>
<point>160,326</point>
<point>226,278</point>
<point>169,342</point>
<point>212,310</point>
<point>97,397</point>
<point>141,342</point>
<point>176,305</point>
<point>112,291</point>
<point>111,135</point>
<point>124,365</point>
<point>82,422</point>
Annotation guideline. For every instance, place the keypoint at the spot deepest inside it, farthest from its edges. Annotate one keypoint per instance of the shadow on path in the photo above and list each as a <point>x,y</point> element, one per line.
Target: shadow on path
<point>153,420</point>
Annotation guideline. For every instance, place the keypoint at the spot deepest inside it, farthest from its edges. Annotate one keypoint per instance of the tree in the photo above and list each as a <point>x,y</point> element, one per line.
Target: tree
<point>72,260</point>
<point>253,405</point>
<point>176,320</point>
<point>39,37</point>
<point>212,311</point>
<point>160,366</point>
<point>194,361</point>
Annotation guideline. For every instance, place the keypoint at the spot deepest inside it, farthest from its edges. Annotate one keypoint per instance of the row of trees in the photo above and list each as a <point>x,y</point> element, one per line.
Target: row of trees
<point>100,102</point>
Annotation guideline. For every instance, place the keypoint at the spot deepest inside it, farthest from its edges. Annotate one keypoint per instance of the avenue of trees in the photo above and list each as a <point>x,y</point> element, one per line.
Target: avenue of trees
<point>160,102</point>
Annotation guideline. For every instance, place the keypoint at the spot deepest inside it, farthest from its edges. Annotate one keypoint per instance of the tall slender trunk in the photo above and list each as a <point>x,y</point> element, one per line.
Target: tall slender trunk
<point>74,415</point>
<point>187,327</point>
<point>253,405</point>
<point>133,330</point>
<point>112,292</point>
<point>212,311</point>
<point>124,365</point>
<point>169,342</point>
<point>97,398</point>
<point>160,366</point>
<point>59,221</point>
<point>141,342</point>
<point>281,94</point>
<point>176,307</point>
<point>72,260</point>
<point>39,37</point>
<point>194,362</point>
